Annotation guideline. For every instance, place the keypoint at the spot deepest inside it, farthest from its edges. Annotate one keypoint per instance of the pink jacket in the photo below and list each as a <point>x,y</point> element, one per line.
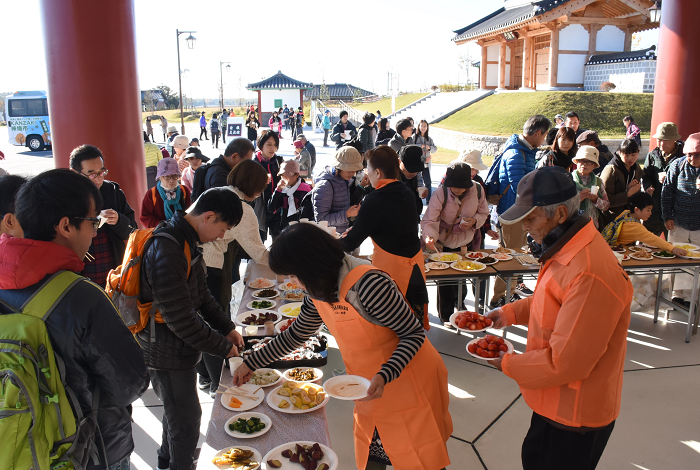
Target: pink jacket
<point>187,178</point>
<point>436,220</point>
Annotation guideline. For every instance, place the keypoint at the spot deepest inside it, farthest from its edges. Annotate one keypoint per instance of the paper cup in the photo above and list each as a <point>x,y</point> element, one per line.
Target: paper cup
<point>594,189</point>
<point>234,363</point>
<point>662,176</point>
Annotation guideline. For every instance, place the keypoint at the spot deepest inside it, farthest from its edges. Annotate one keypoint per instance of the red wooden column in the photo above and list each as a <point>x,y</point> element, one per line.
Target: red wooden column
<point>676,92</point>
<point>94,96</point>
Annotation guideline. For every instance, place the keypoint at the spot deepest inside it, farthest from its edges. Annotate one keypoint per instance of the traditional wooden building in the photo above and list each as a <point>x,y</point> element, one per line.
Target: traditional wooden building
<point>545,44</point>
<point>277,91</point>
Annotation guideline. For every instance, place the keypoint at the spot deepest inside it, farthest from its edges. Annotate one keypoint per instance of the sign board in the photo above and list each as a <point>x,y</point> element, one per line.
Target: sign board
<point>235,127</point>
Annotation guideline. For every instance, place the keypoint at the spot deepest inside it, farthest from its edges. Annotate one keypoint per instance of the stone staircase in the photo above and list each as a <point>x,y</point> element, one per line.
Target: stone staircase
<point>438,106</point>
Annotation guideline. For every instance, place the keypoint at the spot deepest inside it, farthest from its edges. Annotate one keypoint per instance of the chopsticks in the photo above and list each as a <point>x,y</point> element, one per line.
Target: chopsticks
<point>237,391</point>
<point>89,257</point>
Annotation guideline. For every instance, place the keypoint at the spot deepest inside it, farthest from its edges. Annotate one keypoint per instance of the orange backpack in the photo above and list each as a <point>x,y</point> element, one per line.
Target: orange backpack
<point>124,281</point>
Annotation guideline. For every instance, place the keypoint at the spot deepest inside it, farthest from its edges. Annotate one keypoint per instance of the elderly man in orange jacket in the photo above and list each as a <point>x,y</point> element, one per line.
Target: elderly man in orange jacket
<point>571,371</point>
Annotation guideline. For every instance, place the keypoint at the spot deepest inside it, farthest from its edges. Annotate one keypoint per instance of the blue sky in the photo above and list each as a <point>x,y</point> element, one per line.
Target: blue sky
<point>356,42</point>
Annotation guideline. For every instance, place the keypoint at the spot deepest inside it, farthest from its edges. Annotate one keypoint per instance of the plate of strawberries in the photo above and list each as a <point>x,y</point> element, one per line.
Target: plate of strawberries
<point>489,347</point>
<point>470,322</point>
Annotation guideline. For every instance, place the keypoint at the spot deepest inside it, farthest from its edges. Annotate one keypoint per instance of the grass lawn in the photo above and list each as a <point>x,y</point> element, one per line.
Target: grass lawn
<point>385,105</point>
<point>173,115</point>
<point>445,156</point>
<point>505,113</point>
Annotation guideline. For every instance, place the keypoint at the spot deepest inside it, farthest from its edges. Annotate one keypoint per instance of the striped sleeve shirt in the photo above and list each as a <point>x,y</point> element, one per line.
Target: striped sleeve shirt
<point>381,300</point>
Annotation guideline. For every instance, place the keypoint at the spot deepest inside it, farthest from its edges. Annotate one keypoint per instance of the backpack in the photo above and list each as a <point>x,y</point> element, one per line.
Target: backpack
<point>198,181</point>
<point>214,126</point>
<point>491,183</point>
<point>38,428</point>
<point>124,281</point>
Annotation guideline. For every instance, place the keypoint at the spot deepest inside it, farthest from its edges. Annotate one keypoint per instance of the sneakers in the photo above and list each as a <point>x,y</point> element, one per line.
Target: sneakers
<point>498,304</point>
<point>514,297</point>
<point>522,290</point>
<point>204,383</point>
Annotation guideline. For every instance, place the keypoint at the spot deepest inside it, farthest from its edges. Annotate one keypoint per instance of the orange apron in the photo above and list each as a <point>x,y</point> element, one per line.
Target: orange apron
<point>400,270</point>
<point>412,416</point>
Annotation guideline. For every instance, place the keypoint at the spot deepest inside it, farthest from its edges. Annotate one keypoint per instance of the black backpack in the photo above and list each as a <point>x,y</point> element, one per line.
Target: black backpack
<point>198,185</point>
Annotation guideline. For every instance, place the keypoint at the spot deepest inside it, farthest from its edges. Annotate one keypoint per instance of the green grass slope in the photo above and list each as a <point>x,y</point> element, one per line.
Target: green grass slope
<point>505,113</point>
<point>385,105</point>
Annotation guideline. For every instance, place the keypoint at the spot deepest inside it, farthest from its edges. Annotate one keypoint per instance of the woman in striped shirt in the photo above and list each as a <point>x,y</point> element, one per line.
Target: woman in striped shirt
<point>380,339</point>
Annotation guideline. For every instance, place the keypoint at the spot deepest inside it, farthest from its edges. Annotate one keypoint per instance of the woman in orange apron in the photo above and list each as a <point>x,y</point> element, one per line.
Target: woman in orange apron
<point>404,420</point>
<point>388,215</point>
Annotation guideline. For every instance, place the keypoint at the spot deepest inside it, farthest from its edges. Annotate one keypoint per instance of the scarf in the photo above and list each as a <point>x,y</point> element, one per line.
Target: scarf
<point>171,200</point>
<point>612,231</point>
<point>557,238</point>
<point>292,207</point>
<point>587,205</point>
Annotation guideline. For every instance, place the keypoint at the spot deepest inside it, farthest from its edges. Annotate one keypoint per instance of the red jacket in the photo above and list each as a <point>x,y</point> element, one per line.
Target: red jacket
<point>571,371</point>
<point>153,208</point>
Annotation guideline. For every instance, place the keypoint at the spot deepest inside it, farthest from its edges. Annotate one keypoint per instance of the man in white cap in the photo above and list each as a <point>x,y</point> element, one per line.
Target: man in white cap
<point>680,206</point>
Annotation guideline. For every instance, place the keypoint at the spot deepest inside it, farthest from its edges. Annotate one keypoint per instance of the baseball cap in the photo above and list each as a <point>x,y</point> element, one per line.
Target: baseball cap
<point>289,168</point>
<point>548,185</point>
<point>298,144</point>
<point>412,158</point>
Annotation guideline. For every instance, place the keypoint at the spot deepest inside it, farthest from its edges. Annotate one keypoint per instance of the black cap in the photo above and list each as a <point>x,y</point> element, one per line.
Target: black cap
<point>412,158</point>
<point>196,153</point>
<point>458,175</point>
<point>543,187</point>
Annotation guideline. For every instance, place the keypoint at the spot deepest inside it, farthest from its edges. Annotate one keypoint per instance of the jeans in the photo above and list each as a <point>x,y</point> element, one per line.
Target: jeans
<point>215,139</point>
<point>428,183</point>
<point>177,389</point>
<point>325,137</point>
<point>549,448</point>
<point>124,464</point>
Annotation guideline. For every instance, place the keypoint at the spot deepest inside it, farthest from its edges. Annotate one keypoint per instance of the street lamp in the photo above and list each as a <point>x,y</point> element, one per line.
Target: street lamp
<point>655,13</point>
<point>221,80</point>
<point>190,44</point>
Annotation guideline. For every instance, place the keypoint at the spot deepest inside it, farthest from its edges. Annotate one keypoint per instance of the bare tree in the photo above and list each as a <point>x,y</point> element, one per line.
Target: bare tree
<point>149,101</point>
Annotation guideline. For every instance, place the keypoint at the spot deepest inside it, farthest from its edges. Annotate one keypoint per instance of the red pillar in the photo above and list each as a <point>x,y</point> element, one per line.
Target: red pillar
<point>94,96</point>
<point>676,92</point>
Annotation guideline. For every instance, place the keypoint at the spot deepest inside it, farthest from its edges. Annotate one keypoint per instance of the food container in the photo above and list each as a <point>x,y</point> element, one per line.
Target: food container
<point>269,328</point>
<point>251,330</point>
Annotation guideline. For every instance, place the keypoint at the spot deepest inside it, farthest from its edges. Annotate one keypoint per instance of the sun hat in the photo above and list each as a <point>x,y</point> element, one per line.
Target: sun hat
<point>543,187</point>
<point>587,153</point>
<point>181,142</point>
<point>692,145</point>
<point>412,158</point>
<point>167,167</point>
<point>458,175</point>
<point>194,152</point>
<point>289,168</point>
<point>348,159</point>
<point>588,135</point>
<point>473,158</point>
<point>666,131</point>
<point>297,144</point>
<point>171,129</point>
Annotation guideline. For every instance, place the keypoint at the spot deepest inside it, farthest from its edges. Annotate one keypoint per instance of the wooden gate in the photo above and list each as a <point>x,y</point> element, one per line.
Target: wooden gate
<point>542,69</point>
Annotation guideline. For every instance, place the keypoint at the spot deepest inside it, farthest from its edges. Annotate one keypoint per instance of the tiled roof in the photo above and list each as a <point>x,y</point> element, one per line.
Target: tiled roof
<point>338,91</point>
<point>157,94</point>
<point>644,54</point>
<point>502,18</point>
<point>279,81</point>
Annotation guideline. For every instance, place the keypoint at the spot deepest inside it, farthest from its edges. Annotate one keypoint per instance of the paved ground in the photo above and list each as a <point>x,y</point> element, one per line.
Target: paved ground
<point>658,424</point>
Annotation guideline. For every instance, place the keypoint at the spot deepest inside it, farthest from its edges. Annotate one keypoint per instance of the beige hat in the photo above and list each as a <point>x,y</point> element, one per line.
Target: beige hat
<point>587,153</point>
<point>667,131</point>
<point>348,159</point>
<point>473,158</point>
<point>171,129</point>
<point>181,142</point>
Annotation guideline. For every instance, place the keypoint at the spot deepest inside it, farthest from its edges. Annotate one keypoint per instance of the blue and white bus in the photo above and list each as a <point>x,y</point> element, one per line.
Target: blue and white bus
<point>27,116</point>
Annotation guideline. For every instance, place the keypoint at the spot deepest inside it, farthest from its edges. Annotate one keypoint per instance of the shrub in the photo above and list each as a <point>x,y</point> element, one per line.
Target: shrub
<point>607,86</point>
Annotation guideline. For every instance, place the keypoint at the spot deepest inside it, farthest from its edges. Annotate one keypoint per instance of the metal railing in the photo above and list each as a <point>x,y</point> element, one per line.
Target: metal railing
<point>354,115</point>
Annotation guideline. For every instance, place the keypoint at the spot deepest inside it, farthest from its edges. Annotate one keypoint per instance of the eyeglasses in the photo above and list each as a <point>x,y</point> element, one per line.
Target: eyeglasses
<point>97,222</point>
<point>92,176</point>
<point>171,177</point>
<point>585,162</point>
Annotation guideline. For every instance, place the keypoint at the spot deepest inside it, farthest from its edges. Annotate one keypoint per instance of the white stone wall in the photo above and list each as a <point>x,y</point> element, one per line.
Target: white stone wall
<point>634,76</point>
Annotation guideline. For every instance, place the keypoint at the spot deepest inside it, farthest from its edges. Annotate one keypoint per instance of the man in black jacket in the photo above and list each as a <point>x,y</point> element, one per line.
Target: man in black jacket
<point>58,211</point>
<point>193,321</point>
<point>108,246</point>
<point>343,131</point>
<point>411,163</point>
<point>237,150</point>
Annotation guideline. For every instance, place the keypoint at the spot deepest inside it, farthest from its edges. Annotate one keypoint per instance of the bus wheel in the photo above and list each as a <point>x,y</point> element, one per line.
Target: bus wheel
<point>35,143</point>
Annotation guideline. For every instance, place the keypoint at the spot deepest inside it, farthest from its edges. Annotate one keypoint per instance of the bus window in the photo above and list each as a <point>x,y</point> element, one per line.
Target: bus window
<point>21,108</point>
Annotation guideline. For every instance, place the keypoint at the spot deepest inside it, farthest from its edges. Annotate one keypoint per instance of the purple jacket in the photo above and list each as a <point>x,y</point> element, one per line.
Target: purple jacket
<point>202,121</point>
<point>331,200</point>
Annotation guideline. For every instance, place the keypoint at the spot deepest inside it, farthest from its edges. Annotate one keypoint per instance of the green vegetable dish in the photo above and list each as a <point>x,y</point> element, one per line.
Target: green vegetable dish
<point>247,426</point>
<point>261,304</point>
<point>664,254</point>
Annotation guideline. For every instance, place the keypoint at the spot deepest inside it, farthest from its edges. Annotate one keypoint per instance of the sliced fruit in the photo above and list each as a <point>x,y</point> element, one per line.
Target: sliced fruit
<point>274,464</point>
<point>283,404</point>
